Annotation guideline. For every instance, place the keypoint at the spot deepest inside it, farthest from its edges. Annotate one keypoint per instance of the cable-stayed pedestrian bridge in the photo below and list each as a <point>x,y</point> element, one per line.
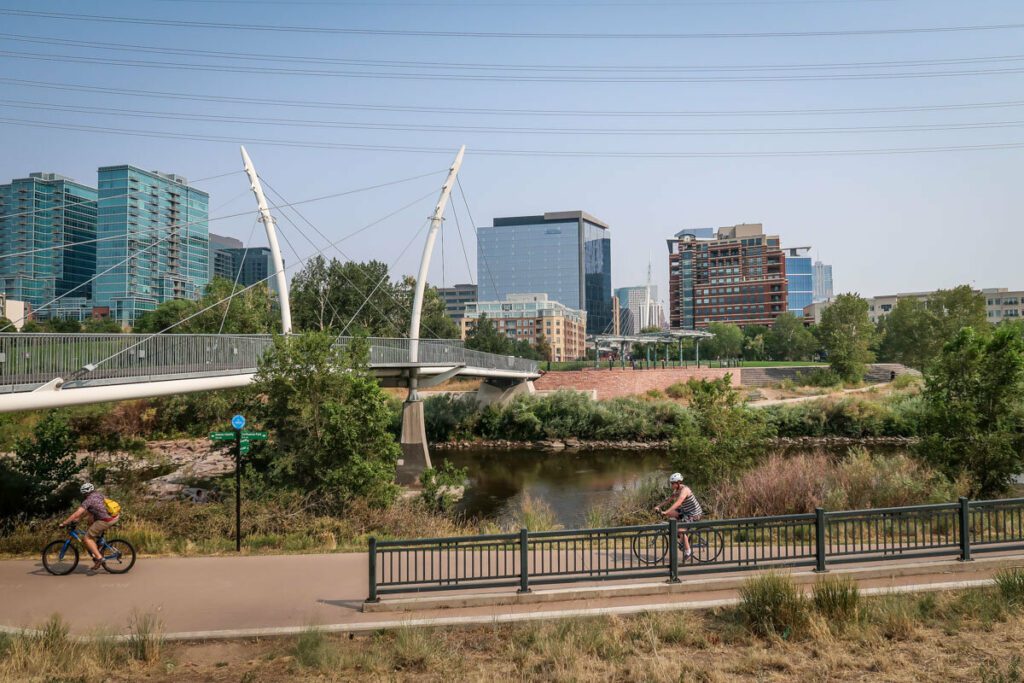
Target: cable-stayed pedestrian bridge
<point>52,370</point>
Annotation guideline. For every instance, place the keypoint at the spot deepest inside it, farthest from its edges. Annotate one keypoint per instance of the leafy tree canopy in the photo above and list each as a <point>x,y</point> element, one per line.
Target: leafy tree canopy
<point>847,335</point>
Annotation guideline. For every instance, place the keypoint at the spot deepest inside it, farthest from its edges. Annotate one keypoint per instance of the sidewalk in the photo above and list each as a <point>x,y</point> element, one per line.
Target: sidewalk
<point>267,595</point>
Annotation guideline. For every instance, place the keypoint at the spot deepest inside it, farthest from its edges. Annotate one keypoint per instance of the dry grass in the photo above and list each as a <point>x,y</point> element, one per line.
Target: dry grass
<point>926,637</point>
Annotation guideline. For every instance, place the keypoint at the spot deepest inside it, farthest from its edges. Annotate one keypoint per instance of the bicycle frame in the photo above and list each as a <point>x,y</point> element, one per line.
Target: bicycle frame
<point>76,535</point>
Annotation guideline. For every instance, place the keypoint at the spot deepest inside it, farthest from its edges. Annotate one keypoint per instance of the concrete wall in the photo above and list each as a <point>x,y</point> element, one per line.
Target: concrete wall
<point>627,382</point>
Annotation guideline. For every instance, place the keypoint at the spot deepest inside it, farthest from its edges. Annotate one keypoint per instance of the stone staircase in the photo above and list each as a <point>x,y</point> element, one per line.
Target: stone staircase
<point>766,377</point>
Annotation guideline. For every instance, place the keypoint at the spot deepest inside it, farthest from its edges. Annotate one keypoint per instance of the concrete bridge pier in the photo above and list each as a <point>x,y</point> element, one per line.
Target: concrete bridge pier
<point>415,451</point>
<point>501,391</point>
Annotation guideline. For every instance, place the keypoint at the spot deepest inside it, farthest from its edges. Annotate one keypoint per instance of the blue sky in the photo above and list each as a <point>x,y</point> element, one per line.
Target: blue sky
<point>887,222</point>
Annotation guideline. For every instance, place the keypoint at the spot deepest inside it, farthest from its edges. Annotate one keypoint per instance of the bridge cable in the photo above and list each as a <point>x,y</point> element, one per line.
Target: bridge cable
<point>238,274</point>
<point>274,274</point>
<point>476,232</point>
<point>465,255</point>
<point>385,316</point>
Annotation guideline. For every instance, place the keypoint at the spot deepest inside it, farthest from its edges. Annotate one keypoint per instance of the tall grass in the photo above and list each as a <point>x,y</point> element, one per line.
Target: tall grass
<point>772,606</point>
<point>837,598</point>
<point>534,514</point>
<point>145,639</point>
<point>1010,583</point>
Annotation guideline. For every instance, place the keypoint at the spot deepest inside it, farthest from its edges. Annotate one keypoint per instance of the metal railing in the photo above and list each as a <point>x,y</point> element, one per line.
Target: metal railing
<point>524,559</point>
<point>29,360</point>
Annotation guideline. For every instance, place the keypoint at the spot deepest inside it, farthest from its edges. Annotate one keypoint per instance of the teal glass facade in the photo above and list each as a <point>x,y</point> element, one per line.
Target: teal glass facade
<point>564,255</point>
<point>800,279</point>
<point>155,246</point>
<point>251,265</point>
<point>49,222</point>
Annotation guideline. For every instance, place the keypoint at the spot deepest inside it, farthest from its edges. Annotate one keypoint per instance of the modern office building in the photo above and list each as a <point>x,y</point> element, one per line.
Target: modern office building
<point>48,238</point>
<point>738,276</point>
<point>566,255</point>
<point>156,245</point>
<point>252,265</point>
<point>822,281</point>
<point>1000,303</point>
<point>221,262</point>
<point>525,317</point>
<point>639,308</point>
<point>799,280</point>
<point>455,299</point>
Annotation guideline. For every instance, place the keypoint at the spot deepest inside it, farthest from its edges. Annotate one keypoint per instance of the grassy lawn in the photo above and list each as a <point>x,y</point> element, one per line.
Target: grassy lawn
<point>975,635</point>
<point>584,364</point>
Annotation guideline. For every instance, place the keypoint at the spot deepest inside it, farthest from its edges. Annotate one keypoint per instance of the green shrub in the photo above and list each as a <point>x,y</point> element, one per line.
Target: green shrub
<point>819,377</point>
<point>441,485</point>
<point>450,417</point>
<point>838,598</point>
<point>771,605</point>
<point>1010,583</point>
<point>677,390</point>
<point>906,380</point>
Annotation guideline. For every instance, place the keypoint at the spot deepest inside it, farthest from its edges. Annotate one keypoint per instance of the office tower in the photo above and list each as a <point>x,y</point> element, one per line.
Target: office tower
<point>799,279</point>
<point>566,255</point>
<point>155,244</point>
<point>455,299</point>
<point>252,265</point>
<point>222,263</point>
<point>639,308</point>
<point>48,238</point>
<point>738,277</point>
<point>822,281</point>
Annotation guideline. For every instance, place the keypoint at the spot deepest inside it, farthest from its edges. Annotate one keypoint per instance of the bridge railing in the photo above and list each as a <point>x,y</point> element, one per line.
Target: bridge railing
<point>817,540</point>
<point>29,360</point>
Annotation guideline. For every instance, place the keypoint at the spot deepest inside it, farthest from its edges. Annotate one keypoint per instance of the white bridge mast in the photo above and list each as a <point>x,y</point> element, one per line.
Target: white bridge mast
<point>275,250</point>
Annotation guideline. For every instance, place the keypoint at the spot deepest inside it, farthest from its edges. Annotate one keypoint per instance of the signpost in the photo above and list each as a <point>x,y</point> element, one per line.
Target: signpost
<point>242,440</point>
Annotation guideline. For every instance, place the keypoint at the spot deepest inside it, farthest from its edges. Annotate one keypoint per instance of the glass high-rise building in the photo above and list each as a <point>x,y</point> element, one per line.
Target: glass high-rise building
<point>47,233</point>
<point>800,278</point>
<point>221,262</point>
<point>822,281</point>
<point>566,255</point>
<point>250,265</point>
<point>156,245</point>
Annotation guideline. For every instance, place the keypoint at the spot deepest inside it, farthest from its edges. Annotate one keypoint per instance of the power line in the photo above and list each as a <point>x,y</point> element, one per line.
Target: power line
<point>438,128</point>
<point>108,19</point>
<point>651,154</point>
<point>313,104</point>
<point>491,3</point>
<point>477,66</point>
<point>279,71</point>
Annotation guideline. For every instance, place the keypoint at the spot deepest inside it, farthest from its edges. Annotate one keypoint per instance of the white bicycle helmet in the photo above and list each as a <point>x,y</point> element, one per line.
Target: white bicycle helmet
<point>676,478</point>
<point>87,488</point>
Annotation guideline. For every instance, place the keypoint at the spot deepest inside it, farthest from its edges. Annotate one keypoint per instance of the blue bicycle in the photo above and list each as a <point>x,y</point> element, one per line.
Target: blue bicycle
<point>61,557</point>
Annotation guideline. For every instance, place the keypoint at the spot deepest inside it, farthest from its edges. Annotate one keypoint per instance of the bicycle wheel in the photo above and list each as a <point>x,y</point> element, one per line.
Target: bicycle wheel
<point>650,547</point>
<point>60,561</point>
<point>119,555</point>
<point>706,544</point>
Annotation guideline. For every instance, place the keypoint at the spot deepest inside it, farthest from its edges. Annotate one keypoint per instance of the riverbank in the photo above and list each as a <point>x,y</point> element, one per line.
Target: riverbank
<point>829,443</point>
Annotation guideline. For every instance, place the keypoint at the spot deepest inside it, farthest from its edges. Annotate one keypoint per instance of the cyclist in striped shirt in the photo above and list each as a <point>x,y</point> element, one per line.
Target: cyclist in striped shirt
<point>684,506</point>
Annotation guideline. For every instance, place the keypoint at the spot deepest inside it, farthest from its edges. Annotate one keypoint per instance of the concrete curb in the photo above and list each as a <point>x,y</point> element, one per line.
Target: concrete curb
<point>370,627</point>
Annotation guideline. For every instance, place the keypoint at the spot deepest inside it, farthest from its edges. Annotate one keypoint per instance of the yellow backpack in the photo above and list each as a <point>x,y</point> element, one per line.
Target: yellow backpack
<point>113,507</point>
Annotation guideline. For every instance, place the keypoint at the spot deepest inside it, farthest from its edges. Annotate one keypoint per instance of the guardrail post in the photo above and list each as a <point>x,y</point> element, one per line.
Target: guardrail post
<point>373,571</point>
<point>673,550</point>
<point>819,540</point>
<point>965,529</point>
<point>524,561</point>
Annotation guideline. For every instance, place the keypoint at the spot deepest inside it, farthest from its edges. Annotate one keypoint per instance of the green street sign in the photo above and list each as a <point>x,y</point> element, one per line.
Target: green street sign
<point>254,436</point>
<point>222,436</point>
<point>244,447</point>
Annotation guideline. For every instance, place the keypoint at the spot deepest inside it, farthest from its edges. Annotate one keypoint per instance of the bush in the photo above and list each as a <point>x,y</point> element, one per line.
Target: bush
<point>819,377</point>
<point>450,417</point>
<point>441,485</point>
<point>677,390</point>
<point>780,485</point>
<point>838,598</point>
<point>771,605</point>
<point>905,381</point>
<point>1010,583</point>
<point>44,464</point>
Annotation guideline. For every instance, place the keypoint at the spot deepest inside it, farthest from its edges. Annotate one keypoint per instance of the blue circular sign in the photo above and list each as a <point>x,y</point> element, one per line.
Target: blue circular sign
<point>238,422</point>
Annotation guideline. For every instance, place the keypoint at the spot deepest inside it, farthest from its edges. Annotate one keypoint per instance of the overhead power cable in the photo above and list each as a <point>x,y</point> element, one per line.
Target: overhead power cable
<point>437,128</point>
<point>412,76</point>
<point>480,66</point>
<point>515,112</point>
<point>586,4</point>
<point>284,28</point>
<point>482,151</point>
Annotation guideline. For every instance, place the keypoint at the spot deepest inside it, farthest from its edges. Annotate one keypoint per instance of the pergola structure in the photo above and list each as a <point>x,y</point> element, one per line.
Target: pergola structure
<point>664,337</point>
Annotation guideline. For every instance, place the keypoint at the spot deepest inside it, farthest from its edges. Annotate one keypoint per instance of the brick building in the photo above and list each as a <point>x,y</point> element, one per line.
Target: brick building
<point>737,276</point>
<point>525,317</point>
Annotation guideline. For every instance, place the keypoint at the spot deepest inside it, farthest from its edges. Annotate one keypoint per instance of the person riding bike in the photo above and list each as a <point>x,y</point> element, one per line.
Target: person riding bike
<point>684,506</point>
<point>105,513</point>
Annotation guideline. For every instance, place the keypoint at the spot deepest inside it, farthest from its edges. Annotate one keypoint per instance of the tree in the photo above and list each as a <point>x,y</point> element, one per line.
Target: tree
<point>64,325</point>
<point>46,461</point>
<point>102,326</point>
<point>915,332</point>
<point>789,339</point>
<point>754,339</point>
<point>166,314</point>
<point>6,325</point>
<point>252,310</point>
<point>847,335</point>
<point>974,421</point>
<point>484,336</point>
<point>543,347</point>
<point>330,420</point>
<point>727,342</point>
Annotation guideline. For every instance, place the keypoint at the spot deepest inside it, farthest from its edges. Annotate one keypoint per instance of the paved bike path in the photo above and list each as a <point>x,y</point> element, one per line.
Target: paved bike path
<point>274,592</point>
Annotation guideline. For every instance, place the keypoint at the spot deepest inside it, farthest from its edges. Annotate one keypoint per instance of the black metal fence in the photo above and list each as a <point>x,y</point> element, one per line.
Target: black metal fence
<point>524,559</point>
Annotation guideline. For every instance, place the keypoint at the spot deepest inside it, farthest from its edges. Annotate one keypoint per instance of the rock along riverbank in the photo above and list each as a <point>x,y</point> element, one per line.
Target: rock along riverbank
<point>826,442</point>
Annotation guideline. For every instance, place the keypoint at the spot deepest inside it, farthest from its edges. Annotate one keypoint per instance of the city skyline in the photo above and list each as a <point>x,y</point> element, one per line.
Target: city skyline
<point>719,121</point>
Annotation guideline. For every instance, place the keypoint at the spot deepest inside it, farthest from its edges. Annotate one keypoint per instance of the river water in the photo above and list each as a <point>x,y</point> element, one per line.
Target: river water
<point>568,481</point>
